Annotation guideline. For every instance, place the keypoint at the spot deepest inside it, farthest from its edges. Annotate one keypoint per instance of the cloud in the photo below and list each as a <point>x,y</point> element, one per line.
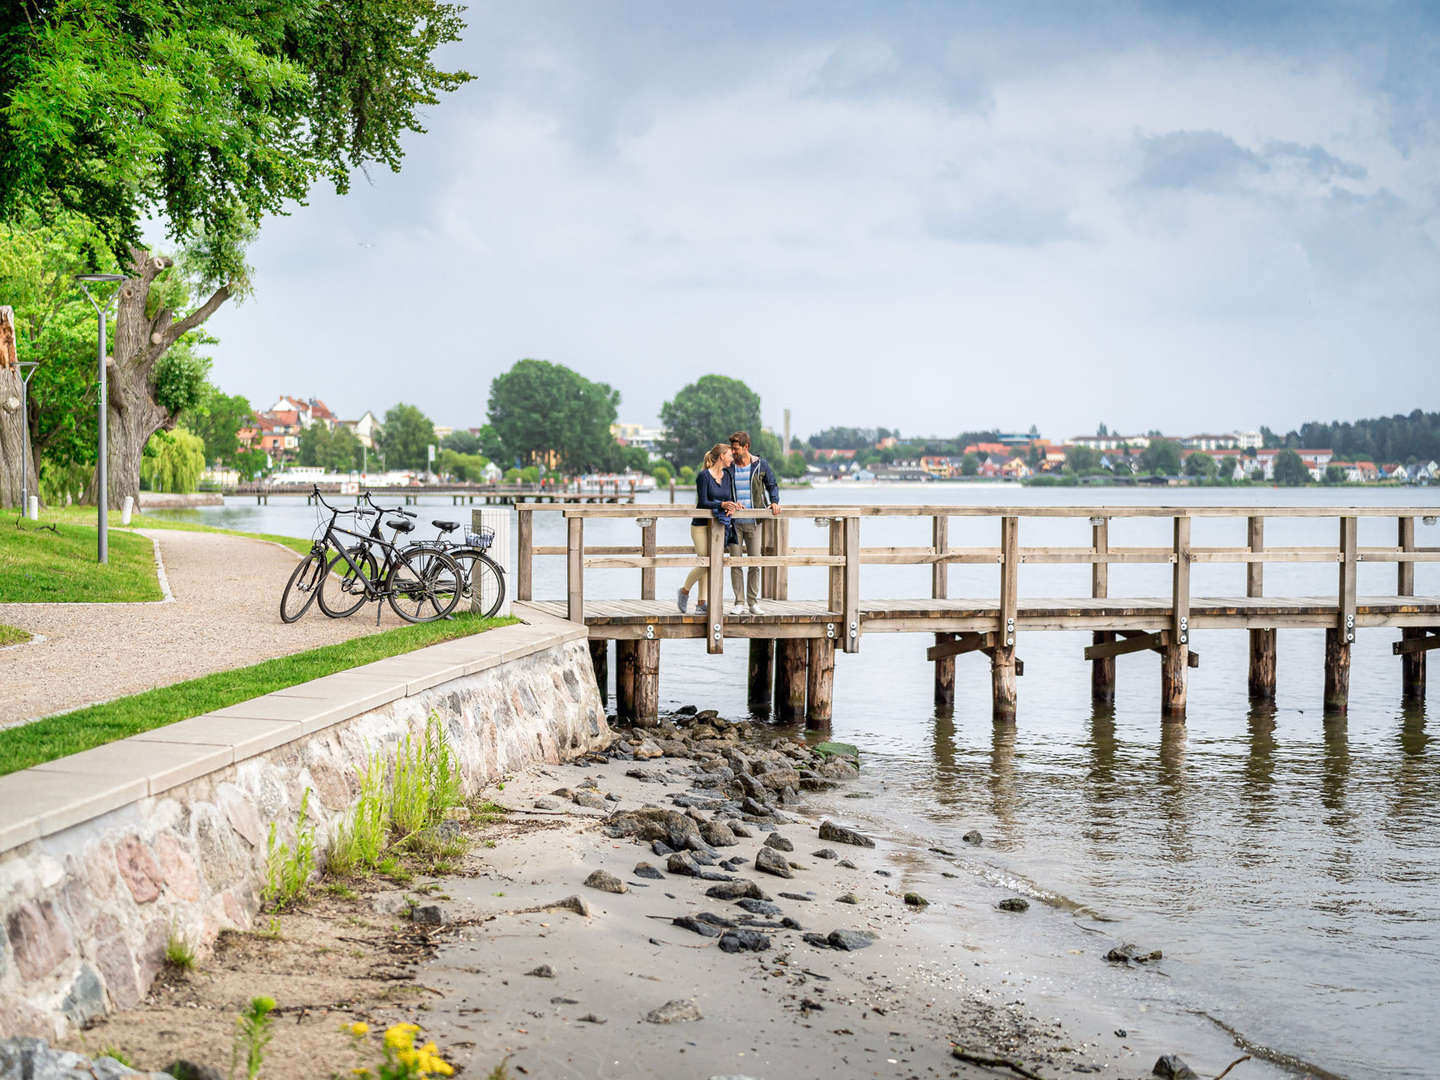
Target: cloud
<point>1207,160</point>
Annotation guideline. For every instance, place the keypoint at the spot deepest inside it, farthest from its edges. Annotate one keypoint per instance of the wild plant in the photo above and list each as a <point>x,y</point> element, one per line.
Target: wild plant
<point>179,953</point>
<point>359,842</point>
<point>427,781</point>
<point>252,1035</point>
<point>287,869</point>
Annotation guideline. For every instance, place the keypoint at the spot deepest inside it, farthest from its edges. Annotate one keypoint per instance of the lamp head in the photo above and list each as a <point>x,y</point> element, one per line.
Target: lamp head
<point>99,277</point>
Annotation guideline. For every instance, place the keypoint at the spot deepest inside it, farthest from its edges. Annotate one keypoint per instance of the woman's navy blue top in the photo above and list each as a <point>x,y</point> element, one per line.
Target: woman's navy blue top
<point>709,494</point>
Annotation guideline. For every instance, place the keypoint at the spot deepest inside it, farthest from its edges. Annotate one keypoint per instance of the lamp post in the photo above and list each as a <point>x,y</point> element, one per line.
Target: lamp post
<point>102,471</point>
<point>27,369</point>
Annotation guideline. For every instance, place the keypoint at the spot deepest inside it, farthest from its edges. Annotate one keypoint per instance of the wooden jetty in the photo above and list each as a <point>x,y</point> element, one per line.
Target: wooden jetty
<point>460,494</point>
<point>793,644</point>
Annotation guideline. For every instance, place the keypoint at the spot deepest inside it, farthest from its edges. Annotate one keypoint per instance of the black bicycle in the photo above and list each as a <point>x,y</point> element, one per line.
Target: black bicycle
<point>421,586</point>
<point>482,578</point>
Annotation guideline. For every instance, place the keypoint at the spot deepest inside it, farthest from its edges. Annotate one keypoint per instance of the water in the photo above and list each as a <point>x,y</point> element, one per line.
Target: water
<point>1285,862</point>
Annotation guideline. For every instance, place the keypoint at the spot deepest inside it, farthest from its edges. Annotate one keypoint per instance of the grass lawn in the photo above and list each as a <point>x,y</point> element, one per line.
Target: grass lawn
<point>38,565</point>
<point>13,635</point>
<point>86,514</point>
<point>69,733</point>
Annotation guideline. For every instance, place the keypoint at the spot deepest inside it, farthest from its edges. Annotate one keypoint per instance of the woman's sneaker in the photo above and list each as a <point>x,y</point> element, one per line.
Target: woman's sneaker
<point>702,608</point>
<point>737,608</point>
<point>682,599</point>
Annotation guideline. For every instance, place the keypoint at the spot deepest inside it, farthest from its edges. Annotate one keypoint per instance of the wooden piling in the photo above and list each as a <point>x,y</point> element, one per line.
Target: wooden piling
<point>1175,652</point>
<point>939,589</point>
<point>627,661</point>
<point>600,661</point>
<point>820,683</point>
<point>1262,641</point>
<point>1412,664</point>
<point>1337,671</point>
<point>647,550</point>
<point>1003,691</point>
<point>791,663</point>
<point>761,674</point>
<point>647,682</point>
<point>1102,669</point>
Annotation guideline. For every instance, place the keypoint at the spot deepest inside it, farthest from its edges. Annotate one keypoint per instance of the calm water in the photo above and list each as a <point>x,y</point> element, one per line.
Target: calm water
<point>1288,864</point>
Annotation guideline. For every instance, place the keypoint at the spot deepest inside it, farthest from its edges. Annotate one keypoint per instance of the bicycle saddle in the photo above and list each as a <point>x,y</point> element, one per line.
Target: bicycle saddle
<point>400,526</point>
<point>446,526</point>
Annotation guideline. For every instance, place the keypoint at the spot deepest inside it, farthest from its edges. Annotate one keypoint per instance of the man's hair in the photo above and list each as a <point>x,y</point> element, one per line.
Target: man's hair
<point>741,437</point>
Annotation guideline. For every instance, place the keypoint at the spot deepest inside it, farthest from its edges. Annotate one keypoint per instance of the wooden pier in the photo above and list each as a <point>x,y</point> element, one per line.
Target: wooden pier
<point>459,494</point>
<point>793,644</point>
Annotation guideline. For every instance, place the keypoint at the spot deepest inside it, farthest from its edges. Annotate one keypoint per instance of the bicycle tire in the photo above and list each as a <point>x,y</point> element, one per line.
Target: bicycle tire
<point>426,579</point>
<point>341,584</point>
<point>304,586</point>
<point>484,581</point>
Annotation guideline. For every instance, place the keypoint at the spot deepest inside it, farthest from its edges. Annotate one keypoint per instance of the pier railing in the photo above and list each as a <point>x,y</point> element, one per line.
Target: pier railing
<point>1163,628</point>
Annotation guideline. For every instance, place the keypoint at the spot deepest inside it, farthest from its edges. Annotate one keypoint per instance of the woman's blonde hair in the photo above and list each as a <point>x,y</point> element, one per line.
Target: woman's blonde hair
<point>716,452</point>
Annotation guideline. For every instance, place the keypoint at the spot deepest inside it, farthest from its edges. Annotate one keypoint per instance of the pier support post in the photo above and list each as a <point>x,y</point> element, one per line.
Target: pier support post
<point>600,661</point>
<point>626,661</point>
<point>647,683</point>
<point>1175,653</point>
<point>1412,664</point>
<point>1337,670</point>
<point>790,668</point>
<point>1102,671</point>
<point>1174,660</point>
<point>939,589</point>
<point>820,683</point>
<point>762,673</point>
<point>1003,691</point>
<point>1262,665</point>
<point>944,677</point>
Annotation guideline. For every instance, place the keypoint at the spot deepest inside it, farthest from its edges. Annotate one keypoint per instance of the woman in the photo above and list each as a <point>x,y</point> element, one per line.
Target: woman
<point>709,495</point>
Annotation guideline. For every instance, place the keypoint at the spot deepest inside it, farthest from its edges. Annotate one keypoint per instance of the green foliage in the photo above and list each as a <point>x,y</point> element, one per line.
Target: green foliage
<point>252,1036</point>
<point>359,839</point>
<point>847,438</point>
<point>217,418</point>
<point>251,463</point>
<point>117,1055</point>
<point>1410,437</point>
<point>462,442</point>
<point>172,461</point>
<point>1082,459</point>
<point>405,438</point>
<point>41,566</point>
<point>60,484</point>
<point>179,953</point>
<point>687,474</point>
<point>1161,458</point>
<point>1334,474</point>
<point>208,116</point>
<point>491,444</point>
<point>1201,466</point>
<point>530,474</point>
<point>336,449</point>
<point>538,408</point>
<point>969,465</point>
<point>179,378</point>
<point>512,476</point>
<point>469,468</point>
<point>13,635</point>
<point>662,474</point>
<point>794,466</point>
<point>288,869</point>
<point>705,413</point>
<point>1290,470</point>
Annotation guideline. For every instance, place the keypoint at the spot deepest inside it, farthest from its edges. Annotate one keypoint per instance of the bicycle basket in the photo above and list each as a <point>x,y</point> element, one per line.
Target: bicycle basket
<point>482,539</point>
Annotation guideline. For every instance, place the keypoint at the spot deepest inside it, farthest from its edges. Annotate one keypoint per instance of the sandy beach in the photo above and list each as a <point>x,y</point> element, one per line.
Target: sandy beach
<point>557,951</point>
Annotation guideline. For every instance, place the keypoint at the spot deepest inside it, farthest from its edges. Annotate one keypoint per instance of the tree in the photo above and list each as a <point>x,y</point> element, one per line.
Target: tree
<point>1334,474</point>
<point>467,468</point>
<point>1081,460</point>
<point>844,438</point>
<point>173,461</point>
<point>538,409</point>
<point>490,443</point>
<point>1290,470</point>
<point>217,418</point>
<point>662,474</point>
<point>205,117</point>
<point>1201,465</point>
<point>334,449</point>
<point>794,467</point>
<point>406,437</point>
<point>462,442</point>
<point>1161,458</point>
<point>969,465</point>
<point>704,413</point>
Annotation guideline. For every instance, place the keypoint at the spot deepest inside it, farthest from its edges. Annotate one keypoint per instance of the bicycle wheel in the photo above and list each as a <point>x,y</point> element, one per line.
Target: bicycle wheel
<point>483,580</point>
<point>343,592</point>
<point>302,588</point>
<point>424,585</point>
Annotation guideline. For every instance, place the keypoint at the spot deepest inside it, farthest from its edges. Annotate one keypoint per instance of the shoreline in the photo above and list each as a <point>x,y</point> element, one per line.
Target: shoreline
<point>953,971</point>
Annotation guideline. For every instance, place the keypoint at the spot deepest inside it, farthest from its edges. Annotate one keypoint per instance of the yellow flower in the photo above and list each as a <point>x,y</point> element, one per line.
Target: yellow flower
<point>359,1027</point>
<point>401,1036</point>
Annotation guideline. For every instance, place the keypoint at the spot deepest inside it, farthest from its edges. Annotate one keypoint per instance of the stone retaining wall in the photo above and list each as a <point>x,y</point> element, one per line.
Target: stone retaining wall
<point>87,910</point>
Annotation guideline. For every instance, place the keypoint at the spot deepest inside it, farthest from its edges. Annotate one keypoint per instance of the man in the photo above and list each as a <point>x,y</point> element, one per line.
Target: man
<point>752,487</point>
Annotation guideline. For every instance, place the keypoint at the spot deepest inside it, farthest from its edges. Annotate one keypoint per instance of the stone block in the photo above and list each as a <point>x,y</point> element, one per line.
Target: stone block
<point>38,937</point>
<point>138,869</point>
<point>38,802</point>
<point>160,765</point>
<point>246,736</point>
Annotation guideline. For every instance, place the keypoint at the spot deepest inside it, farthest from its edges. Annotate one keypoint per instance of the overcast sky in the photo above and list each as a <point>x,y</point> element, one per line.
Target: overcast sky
<point>932,216</point>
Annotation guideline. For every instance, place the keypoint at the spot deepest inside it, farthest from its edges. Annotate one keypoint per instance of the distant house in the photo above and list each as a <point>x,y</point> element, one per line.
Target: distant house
<point>1394,471</point>
<point>367,429</point>
<point>833,454</point>
<point>1015,469</point>
<point>1110,442</point>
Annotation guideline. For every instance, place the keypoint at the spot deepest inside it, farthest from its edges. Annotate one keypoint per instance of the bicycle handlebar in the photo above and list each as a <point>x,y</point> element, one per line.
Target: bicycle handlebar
<point>390,510</point>
<point>359,510</point>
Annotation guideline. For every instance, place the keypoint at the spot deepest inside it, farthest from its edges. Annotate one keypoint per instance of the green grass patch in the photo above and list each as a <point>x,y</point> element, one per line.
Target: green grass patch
<point>82,514</point>
<point>13,635</point>
<point>69,733</point>
<point>45,566</point>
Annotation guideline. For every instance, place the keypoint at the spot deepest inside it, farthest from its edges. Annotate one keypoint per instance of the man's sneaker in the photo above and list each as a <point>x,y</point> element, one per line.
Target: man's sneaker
<point>756,609</point>
<point>737,609</point>
<point>682,599</point>
<point>702,608</point>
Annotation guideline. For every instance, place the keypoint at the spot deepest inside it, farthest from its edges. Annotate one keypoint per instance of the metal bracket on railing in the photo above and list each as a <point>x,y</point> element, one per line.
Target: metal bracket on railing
<point>854,630</point>
<point>829,629</point>
<point>649,631</point>
<point>822,523</point>
<point>715,631</point>
<point>1428,519</point>
<point>644,523</point>
<point>1349,627</point>
<point>1184,630</point>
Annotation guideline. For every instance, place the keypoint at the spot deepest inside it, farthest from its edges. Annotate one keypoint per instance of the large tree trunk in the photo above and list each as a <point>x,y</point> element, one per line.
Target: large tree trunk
<point>139,341</point>
<point>17,462</point>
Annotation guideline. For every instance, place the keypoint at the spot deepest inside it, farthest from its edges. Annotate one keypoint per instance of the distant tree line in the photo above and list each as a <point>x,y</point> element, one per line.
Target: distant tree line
<point>1402,438</point>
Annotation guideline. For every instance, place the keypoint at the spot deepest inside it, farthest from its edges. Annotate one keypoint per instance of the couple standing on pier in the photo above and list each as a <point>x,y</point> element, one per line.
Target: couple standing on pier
<point>732,484</point>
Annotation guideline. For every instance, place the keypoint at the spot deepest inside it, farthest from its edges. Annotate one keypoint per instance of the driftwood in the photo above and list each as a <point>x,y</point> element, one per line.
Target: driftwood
<point>993,1063</point>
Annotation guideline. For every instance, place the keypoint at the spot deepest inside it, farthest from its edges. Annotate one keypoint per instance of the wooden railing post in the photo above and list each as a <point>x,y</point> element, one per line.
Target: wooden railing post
<point>1174,656</point>
<point>525,557</point>
<point>1262,641</point>
<point>715,599</point>
<point>1412,664</point>
<point>1339,637</point>
<point>782,547</point>
<point>1102,670</point>
<point>767,547</point>
<point>850,588</point>
<point>647,549</point>
<point>836,575</point>
<point>1002,657</point>
<point>939,590</point>
<point>575,568</point>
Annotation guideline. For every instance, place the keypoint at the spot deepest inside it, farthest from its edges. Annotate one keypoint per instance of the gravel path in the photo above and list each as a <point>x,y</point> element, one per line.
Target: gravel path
<point>226,614</point>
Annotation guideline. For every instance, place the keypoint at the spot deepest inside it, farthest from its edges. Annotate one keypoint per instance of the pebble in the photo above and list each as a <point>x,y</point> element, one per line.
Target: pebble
<point>545,804</point>
<point>839,834</point>
<point>674,1012</point>
<point>733,941</point>
<point>698,926</point>
<point>848,898</point>
<point>736,890</point>
<point>659,847</point>
<point>914,899</point>
<point>825,853</point>
<point>758,907</point>
<point>850,940</point>
<point>797,896</point>
<point>544,971</point>
<point>1014,903</point>
<point>848,865</point>
<point>682,863</point>
<point>645,870</point>
<point>772,862</point>
<point>429,915</point>
<point>973,837</point>
<point>606,882</point>
<point>778,842</point>
<point>1127,953</point>
<point>571,903</point>
<point>1170,1067</point>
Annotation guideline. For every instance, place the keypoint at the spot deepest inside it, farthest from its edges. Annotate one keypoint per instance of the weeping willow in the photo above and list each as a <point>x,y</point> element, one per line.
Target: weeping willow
<point>173,461</point>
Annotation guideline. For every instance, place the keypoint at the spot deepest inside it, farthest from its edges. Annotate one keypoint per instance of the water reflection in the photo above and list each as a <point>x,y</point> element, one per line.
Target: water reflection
<point>1260,762</point>
<point>942,753</point>
<point>1104,798</point>
<point>1174,791</point>
<point>1415,790</point>
<point>1004,797</point>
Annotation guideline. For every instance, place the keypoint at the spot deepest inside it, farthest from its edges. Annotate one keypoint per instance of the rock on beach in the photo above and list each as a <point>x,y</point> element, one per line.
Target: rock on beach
<point>839,834</point>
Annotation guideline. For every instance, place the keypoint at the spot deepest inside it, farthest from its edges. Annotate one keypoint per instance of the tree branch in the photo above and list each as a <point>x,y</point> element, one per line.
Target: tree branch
<point>175,330</point>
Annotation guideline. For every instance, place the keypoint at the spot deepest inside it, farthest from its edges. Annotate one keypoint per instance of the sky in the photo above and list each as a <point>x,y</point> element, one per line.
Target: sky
<point>935,217</point>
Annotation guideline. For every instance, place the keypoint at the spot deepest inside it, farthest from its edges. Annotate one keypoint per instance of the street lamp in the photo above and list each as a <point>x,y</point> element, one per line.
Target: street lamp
<point>27,369</point>
<point>102,478</point>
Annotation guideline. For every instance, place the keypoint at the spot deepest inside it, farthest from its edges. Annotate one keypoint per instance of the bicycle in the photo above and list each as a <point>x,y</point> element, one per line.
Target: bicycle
<point>420,586</point>
<point>482,578</point>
